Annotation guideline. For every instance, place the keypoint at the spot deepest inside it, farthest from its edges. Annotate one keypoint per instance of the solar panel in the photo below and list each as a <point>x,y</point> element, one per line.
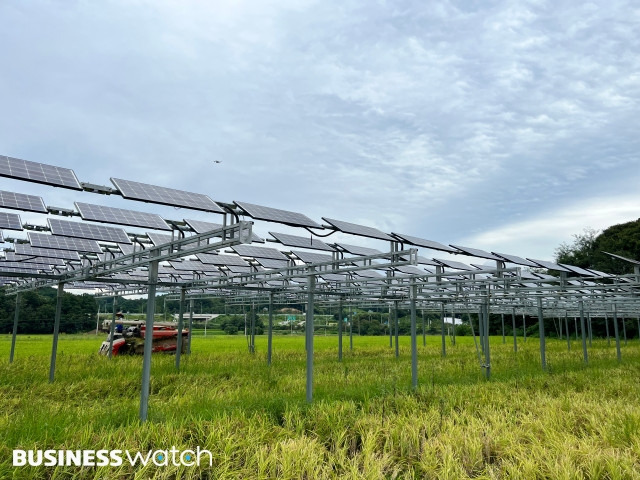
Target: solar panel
<point>356,229</point>
<point>14,257</point>
<point>276,215</point>
<point>368,274</point>
<point>38,173</point>
<point>410,270</point>
<point>476,252</point>
<point>58,242</point>
<point>31,266</point>
<point>259,252</point>
<point>309,257</point>
<point>1,237</point>
<point>421,242</point>
<point>549,265</point>
<point>453,264</point>
<point>301,242</point>
<point>165,196</point>
<point>88,230</point>
<point>125,248</point>
<point>26,249</point>
<point>10,221</point>
<point>357,250</point>
<point>221,259</point>
<point>515,259</point>
<point>237,269</point>
<point>121,216</point>
<point>271,263</point>
<point>620,257</point>
<point>194,266</point>
<point>21,201</point>
<point>333,277</point>
<point>199,226</point>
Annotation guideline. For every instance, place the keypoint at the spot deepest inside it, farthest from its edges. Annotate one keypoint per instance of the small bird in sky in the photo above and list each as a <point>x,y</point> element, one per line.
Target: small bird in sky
<point>217,161</point>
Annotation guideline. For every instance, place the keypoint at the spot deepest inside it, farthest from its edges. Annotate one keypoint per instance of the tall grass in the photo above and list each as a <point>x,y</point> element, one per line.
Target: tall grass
<point>572,421</point>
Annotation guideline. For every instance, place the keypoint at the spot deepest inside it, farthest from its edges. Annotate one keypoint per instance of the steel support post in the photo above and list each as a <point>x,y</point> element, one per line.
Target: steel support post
<point>524,327</point>
<point>112,327</point>
<point>270,329</point>
<point>444,333</point>
<point>340,321</point>
<point>453,319</point>
<point>414,345</point>
<point>515,337</point>
<point>190,326</point>
<point>585,354</point>
<point>180,326</point>
<point>390,329</point>
<point>424,331</point>
<point>543,345</point>
<point>616,332</point>
<point>56,330</point>
<point>16,315</point>
<point>148,339</point>
<point>481,327</point>
<point>487,350</point>
<point>350,331</point>
<point>566,327</point>
<point>311,285</point>
<point>395,321</point>
<point>589,329</point>
<point>624,330</point>
<point>575,324</point>
<point>606,325</point>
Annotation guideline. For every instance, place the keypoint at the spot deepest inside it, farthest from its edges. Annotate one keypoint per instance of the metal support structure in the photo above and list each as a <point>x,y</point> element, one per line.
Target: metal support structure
<point>481,327</point>
<point>606,325</point>
<point>453,316</point>
<point>424,331</point>
<point>180,326</point>
<point>56,329</point>
<point>16,315</point>
<point>585,354</point>
<point>414,345</point>
<point>340,321</point>
<point>270,330</point>
<point>543,345</point>
<point>112,327</point>
<point>589,329</point>
<point>148,341</point>
<point>395,321</point>
<point>515,337</point>
<point>487,350</point>
<point>616,332</point>
<point>624,330</point>
<point>444,336</point>
<point>350,330</point>
<point>390,329</point>
<point>311,285</point>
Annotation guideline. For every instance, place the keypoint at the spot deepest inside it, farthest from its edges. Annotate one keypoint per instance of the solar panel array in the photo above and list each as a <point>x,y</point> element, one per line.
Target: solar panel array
<point>38,173</point>
<point>121,216</point>
<point>310,257</point>
<point>357,250</point>
<point>258,252</point>
<point>356,229</point>
<point>21,201</point>
<point>301,242</point>
<point>515,259</point>
<point>193,265</point>
<point>165,196</point>
<point>271,263</point>
<point>10,221</point>
<point>14,257</point>
<point>58,242</point>
<point>421,242</point>
<point>476,252</point>
<point>276,215</point>
<point>549,265</point>
<point>221,259</point>
<point>26,249</point>
<point>87,230</point>
<point>199,226</point>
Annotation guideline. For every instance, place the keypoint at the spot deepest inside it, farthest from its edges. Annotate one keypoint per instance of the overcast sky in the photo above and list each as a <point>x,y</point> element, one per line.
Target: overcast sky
<point>502,125</point>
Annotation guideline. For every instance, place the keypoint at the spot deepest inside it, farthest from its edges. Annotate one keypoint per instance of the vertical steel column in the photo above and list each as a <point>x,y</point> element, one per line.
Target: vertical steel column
<point>350,330</point>
<point>414,347</point>
<point>190,326</point>
<point>148,337</point>
<point>589,329</point>
<point>481,327</point>
<point>424,331</point>
<point>444,337</point>
<point>515,337</point>
<point>340,320</point>
<point>390,329</point>
<point>585,354</point>
<point>453,319</point>
<point>575,324</point>
<point>270,329</point>
<point>56,329</point>
<point>543,345</point>
<point>606,324</point>
<point>487,350</point>
<point>524,327</point>
<point>112,327</point>
<point>624,330</point>
<point>566,327</point>
<point>311,285</point>
<point>395,321</point>
<point>16,315</point>
<point>616,332</point>
<point>180,326</point>
<point>504,340</point>
<point>560,325</point>
<point>252,330</point>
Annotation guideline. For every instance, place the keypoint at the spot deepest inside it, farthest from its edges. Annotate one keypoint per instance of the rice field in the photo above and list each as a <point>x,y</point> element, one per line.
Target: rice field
<point>569,422</point>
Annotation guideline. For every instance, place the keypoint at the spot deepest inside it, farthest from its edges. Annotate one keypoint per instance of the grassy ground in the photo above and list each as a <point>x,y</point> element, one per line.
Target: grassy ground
<point>573,421</point>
